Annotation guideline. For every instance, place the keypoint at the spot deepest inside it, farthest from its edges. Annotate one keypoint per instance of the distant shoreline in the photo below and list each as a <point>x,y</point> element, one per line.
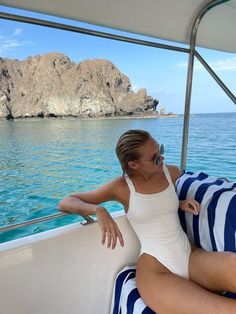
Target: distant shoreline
<point>94,118</point>
<point>180,115</point>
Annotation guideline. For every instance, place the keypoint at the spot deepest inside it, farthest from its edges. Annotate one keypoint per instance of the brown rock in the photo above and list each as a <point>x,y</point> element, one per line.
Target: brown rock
<point>54,86</point>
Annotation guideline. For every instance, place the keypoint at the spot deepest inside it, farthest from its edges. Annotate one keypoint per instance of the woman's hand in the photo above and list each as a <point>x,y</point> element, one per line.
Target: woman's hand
<point>190,205</point>
<point>110,230</point>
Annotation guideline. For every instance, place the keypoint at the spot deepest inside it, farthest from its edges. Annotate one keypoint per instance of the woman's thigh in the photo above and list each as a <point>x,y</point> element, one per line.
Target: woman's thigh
<point>216,271</point>
<point>166,293</point>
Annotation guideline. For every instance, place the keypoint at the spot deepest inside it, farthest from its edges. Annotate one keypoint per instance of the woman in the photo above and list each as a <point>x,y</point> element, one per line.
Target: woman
<point>172,275</point>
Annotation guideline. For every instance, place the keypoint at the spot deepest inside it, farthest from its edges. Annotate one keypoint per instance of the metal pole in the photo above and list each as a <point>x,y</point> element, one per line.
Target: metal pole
<point>32,221</point>
<point>211,4</point>
<point>187,111</point>
<point>81,30</point>
<point>88,220</point>
<point>216,77</point>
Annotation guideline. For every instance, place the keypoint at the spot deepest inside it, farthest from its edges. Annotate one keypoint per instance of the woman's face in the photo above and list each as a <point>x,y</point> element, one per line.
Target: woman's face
<point>148,156</point>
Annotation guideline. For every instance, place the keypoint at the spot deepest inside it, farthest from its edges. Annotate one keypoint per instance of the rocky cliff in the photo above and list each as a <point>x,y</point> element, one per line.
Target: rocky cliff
<point>54,86</point>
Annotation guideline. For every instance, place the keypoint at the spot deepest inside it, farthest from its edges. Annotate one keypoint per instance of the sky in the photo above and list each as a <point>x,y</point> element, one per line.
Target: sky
<point>161,72</point>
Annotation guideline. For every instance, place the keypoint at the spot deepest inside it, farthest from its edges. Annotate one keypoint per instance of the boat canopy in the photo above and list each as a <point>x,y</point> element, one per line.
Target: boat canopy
<point>165,19</point>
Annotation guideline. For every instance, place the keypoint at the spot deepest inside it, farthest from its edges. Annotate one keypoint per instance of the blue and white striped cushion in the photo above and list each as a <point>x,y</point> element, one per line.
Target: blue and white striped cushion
<point>214,228</point>
<point>126,298</point>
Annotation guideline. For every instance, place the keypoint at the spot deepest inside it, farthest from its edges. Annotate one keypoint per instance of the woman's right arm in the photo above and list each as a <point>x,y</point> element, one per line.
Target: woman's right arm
<point>76,205</point>
<point>87,203</point>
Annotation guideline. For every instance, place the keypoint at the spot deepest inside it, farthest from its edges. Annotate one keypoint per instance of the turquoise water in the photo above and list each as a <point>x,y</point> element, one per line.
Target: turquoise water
<point>42,161</point>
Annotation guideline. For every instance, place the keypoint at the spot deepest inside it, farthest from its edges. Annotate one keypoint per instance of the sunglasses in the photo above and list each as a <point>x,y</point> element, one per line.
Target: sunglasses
<point>157,158</point>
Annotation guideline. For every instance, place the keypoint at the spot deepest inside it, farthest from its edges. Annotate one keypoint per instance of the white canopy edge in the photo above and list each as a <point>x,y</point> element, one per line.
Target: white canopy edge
<point>164,19</point>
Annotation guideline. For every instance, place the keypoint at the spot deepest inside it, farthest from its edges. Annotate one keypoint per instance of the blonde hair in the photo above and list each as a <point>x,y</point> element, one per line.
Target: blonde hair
<point>127,147</point>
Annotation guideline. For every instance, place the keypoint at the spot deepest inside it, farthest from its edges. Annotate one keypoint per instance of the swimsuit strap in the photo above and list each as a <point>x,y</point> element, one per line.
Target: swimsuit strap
<point>130,183</point>
<point>167,174</point>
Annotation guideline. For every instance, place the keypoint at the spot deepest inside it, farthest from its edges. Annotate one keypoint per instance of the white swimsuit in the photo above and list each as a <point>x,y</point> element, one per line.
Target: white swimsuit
<point>154,218</point>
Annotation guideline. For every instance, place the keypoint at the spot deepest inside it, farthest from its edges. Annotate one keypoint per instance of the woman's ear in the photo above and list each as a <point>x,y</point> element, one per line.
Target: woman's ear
<point>132,164</point>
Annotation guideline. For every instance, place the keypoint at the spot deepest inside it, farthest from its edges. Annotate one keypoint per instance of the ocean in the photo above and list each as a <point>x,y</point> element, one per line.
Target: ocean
<point>41,161</point>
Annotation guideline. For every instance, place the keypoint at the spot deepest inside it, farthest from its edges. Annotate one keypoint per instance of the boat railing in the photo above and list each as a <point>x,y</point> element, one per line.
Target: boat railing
<point>87,220</point>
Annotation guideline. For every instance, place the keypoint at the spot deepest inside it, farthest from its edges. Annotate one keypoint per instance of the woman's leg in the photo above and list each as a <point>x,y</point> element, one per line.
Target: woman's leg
<point>166,293</point>
<point>216,271</point>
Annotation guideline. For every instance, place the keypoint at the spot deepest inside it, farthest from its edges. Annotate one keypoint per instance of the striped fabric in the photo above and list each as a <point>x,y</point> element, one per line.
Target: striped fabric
<point>126,298</point>
<point>214,229</point>
<point>215,226</point>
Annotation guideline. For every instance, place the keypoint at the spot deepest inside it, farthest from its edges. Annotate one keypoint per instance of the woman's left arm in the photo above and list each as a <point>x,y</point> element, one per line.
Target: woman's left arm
<point>188,205</point>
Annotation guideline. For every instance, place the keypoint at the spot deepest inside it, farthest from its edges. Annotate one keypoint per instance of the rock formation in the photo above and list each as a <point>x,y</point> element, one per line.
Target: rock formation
<point>54,86</point>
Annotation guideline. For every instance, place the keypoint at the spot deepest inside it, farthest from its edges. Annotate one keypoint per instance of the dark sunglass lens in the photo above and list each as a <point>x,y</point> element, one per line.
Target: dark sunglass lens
<point>162,150</point>
<point>158,160</point>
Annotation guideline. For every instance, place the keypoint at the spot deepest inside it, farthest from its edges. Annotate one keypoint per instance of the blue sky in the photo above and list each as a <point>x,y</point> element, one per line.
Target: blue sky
<point>161,72</point>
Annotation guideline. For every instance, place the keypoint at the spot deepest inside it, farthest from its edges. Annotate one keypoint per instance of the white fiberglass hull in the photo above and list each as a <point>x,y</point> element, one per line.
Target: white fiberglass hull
<point>65,270</point>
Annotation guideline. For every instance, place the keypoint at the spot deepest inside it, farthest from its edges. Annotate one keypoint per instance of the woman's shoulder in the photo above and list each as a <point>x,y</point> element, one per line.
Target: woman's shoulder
<point>119,181</point>
<point>121,189</point>
<point>118,184</point>
<point>174,172</point>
